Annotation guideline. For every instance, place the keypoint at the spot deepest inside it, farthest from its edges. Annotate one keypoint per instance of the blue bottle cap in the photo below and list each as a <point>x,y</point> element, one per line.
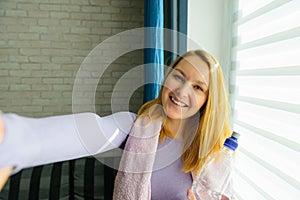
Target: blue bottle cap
<point>231,142</point>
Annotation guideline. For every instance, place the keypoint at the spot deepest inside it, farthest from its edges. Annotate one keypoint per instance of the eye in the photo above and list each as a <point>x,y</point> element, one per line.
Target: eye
<point>179,77</point>
<point>197,87</point>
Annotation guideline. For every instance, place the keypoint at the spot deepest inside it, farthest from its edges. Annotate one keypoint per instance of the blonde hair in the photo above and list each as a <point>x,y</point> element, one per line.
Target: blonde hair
<point>212,127</point>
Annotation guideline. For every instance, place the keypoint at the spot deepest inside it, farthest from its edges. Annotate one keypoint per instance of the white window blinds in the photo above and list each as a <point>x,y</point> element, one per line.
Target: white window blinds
<point>265,93</point>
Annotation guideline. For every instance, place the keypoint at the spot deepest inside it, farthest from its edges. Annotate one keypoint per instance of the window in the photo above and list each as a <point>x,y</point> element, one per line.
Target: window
<point>265,93</point>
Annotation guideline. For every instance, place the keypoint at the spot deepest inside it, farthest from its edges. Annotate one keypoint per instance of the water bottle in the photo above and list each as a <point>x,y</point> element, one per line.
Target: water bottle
<point>214,180</point>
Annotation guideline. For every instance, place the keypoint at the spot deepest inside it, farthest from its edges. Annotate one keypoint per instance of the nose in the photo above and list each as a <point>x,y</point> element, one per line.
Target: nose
<point>183,90</point>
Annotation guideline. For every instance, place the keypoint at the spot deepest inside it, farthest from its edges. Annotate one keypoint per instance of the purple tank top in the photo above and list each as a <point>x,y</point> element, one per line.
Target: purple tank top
<point>170,182</point>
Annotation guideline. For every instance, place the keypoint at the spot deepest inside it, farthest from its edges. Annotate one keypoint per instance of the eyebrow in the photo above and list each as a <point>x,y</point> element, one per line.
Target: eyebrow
<point>197,81</point>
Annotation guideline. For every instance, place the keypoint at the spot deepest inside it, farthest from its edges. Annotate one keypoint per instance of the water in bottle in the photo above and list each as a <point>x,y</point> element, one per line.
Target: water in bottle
<point>214,181</point>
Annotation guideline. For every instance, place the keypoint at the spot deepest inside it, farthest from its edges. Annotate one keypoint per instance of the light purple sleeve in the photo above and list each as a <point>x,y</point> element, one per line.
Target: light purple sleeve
<point>35,141</point>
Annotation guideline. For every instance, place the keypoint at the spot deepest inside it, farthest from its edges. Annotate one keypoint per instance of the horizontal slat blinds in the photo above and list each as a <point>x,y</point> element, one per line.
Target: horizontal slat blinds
<point>265,93</point>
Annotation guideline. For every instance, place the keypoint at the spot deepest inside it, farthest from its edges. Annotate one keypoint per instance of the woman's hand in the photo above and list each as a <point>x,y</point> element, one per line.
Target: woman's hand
<point>6,171</point>
<point>190,195</point>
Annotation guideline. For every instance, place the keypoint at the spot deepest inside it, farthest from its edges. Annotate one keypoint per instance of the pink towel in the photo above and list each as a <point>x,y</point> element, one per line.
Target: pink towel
<point>133,178</point>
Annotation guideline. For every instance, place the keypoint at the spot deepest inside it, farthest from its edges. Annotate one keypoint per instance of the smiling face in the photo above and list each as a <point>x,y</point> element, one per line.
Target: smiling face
<point>186,88</point>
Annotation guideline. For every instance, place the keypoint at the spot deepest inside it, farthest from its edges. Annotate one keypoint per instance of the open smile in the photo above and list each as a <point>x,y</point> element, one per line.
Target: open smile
<point>177,102</point>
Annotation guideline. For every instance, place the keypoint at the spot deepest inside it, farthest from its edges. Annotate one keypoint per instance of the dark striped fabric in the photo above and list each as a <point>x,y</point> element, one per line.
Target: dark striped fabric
<point>77,179</point>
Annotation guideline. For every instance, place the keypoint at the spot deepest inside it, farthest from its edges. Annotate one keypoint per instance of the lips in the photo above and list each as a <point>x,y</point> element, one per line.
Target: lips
<point>177,102</point>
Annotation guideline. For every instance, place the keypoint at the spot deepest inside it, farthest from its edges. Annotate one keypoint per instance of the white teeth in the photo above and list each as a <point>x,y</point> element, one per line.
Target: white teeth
<point>178,102</point>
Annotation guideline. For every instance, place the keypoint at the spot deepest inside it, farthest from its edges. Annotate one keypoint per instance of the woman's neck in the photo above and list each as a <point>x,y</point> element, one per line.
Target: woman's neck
<point>176,127</point>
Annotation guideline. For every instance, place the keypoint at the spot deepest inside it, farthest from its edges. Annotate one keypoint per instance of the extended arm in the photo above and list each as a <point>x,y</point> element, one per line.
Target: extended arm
<point>29,142</point>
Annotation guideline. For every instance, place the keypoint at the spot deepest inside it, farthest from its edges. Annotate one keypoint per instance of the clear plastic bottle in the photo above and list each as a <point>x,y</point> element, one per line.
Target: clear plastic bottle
<point>214,180</point>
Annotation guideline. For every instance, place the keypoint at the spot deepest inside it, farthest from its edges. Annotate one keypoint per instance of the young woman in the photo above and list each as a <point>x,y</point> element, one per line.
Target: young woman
<point>189,117</point>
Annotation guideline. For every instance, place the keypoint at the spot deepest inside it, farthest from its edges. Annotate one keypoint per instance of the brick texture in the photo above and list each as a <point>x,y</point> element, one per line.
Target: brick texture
<point>43,44</point>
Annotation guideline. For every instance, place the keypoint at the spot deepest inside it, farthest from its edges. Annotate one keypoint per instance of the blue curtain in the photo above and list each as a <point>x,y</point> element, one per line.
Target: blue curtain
<point>176,20</point>
<point>153,56</point>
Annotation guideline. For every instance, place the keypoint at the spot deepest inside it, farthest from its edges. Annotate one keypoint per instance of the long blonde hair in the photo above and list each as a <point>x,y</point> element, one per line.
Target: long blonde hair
<point>212,126</point>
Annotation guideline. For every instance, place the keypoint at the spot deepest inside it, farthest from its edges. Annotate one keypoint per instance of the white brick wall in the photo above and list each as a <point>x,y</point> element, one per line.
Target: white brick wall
<point>43,43</point>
